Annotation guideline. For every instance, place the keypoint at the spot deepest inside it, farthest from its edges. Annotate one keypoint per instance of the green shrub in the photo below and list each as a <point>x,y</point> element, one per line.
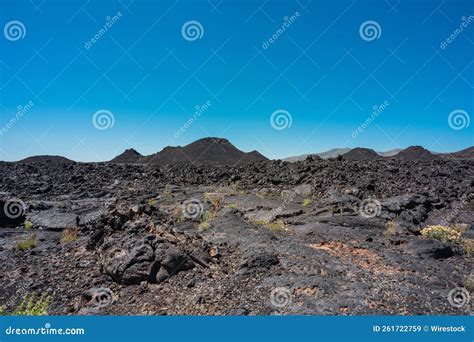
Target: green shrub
<point>69,235</point>
<point>28,224</point>
<point>468,246</point>
<point>206,218</point>
<point>31,306</point>
<point>276,227</point>
<point>307,201</point>
<point>29,243</point>
<point>441,233</point>
<point>390,229</point>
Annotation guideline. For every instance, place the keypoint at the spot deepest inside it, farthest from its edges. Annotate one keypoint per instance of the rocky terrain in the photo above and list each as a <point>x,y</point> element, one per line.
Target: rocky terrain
<point>314,237</point>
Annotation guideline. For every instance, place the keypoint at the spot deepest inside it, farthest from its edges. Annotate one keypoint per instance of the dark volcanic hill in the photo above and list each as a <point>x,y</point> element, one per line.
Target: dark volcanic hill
<point>46,159</point>
<point>360,153</point>
<point>214,151</point>
<point>415,153</point>
<point>129,156</point>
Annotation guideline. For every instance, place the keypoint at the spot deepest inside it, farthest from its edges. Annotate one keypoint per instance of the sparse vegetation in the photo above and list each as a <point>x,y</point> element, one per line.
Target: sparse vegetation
<point>390,229</point>
<point>28,243</point>
<point>452,234</point>
<point>206,219</point>
<point>441,233</point>
<point>307,201</point>
<point>468,246</point>
<point>278,226</point>
<point>32,306</point>
<point>69,235</point>
<point>215,199</point>
<point>232,206</point>
<point>28,224</point>
<point>177,213</point>
<point>469,282</point>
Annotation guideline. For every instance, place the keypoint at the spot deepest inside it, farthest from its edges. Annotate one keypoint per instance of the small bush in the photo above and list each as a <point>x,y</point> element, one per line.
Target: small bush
<point>69,235</point>
<point>177,213</point>
<point>30,306</point>
<point>442,233</point>
<point>276,227</point>
<point>215,199</point>
<point>232,206</point>
<point>390,228</point>
<point>29,243</point>
<point>28,224</point>
<point>468,246</point>
<point>469,282</point>
<point>206,217</point>
<point>307,201</point>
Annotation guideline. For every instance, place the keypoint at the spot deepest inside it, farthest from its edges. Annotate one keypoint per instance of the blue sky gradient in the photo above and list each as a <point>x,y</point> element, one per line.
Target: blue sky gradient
<point>151,79</point>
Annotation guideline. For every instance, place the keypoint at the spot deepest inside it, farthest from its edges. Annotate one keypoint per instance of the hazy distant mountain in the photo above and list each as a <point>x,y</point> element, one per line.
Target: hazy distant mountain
<point>129,156</point>
<point>333,153</point>
<point>45,159</point>
<point>467,153</point>
<point>389,153</point>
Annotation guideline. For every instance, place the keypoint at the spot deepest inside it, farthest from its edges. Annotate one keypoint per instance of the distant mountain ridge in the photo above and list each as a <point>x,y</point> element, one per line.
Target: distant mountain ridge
<point>409,153</point>
<point>219,151</point>
<point>333,153</point>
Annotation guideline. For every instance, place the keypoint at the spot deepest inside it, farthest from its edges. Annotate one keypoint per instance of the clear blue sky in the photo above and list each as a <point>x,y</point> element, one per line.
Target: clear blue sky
<point>150,78</point>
